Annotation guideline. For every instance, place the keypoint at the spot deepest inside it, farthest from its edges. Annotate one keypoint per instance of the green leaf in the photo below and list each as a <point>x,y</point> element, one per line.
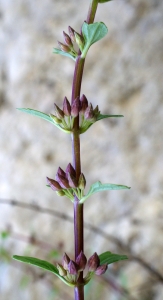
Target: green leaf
<point>37,262</point>
<point>37,114</point>
<point>109,258</point>
<point>92,33</point>
<point>43,264</point>
<point>57,51</point>
<point>102,1</point>
<point>99,187</point>
<point>100,117</point>
<point>42,116</point>
<point>85,128</point>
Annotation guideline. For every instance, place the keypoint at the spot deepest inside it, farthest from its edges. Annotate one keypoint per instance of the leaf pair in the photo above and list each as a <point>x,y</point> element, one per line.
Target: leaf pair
<point>105,258</point>
<point>50,119</point>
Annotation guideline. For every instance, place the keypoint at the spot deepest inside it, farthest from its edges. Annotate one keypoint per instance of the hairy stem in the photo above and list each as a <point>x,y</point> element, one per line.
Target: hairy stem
<point>78,208</point>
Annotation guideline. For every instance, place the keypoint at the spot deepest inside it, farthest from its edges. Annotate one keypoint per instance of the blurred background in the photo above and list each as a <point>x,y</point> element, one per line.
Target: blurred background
<point>123,75</point>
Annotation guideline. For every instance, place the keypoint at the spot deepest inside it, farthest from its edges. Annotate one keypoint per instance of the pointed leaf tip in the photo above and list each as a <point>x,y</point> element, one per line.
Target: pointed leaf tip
<point>103,1</point>
<point>99,187</point>
<point>100,116</point>
<point>41,264</point>
<point>37,262</point>
<point>37,114</point>
<point>109,258</point>
<point>44,116</point>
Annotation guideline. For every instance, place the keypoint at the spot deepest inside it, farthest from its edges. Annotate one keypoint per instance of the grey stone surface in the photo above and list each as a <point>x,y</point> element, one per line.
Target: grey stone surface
<point>123,74</point>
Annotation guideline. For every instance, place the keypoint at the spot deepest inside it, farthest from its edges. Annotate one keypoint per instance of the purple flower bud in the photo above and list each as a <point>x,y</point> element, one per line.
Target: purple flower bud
<point>93,262</point>
<point>71,33</point>
<point>61,172</point>
<point>66,107</point>
<point>82,182</point>
<point>63,182</point>
<point>64,47</point>
<point>75,107</point>
<point>72,181</point>
<point>81,261</point>
<point>72,268</point>
<point>84,103</point>
<point>67,40</point>
<point>101,269</point>
<point>89,114</point>
<point>70,170</point>
<point>61,270</point>
<point>58,112</point>
<point>53,184</point>
<point>65,261</point>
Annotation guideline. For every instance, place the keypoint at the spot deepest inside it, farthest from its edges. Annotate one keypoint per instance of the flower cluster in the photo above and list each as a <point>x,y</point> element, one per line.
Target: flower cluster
<point>66,184</point>
<point>70,269</point>
<point>73,37</point>
<point>64,118</point>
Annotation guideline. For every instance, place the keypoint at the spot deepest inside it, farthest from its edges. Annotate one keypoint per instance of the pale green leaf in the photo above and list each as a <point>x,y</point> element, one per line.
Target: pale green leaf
<point>99,187</point>
<point>43,264</point>
<point>103,1</point>
<point>37,114</point>
<point>57,51</point>
<point>37,262</point>
<point>100,117</point>
<point>109,258</point>
<point>43,116</point>
<point>92,33</point>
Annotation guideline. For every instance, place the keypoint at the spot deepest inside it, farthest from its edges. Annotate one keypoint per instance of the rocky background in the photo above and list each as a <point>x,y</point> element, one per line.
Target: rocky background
<point>124,75</point>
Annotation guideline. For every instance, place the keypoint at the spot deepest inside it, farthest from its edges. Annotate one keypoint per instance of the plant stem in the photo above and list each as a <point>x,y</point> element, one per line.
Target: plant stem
<point>79,66</point>
<point>92,11</point>
<point>79,292</point>
<point>78,208</point>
